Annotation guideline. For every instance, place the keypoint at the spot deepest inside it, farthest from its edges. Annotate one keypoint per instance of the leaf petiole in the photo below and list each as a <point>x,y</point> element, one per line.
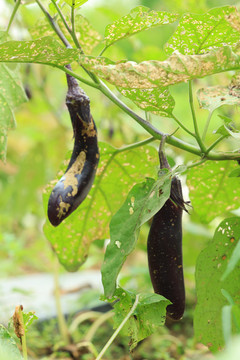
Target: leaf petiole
<point>114,335</point>
<point>207,125</point>
<point>17,4</point>
<point>197,134</point>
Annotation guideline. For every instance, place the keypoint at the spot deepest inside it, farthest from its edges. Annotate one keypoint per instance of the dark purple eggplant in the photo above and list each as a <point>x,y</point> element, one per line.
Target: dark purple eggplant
<point>164,247</point>
<point>77,181</point>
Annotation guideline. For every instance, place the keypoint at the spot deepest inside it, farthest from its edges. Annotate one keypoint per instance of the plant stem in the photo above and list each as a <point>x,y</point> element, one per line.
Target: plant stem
<point>119,328</point>
<point>53,24</point>
<point>215,143</point>
<point>207,125</point>
<point>23,338</point>
<point>103,50</point>
<point>197,134</point>
<point>73,33</point>
<point>81,318</point>
<point>81,79</point>
<point>135,145</point>
<point>197,163</point>
<point>61,16</point>
<point>96,325</point>
<point>182,126</point>
<point>146,125</point>
<point>17,4</point>
<point>61,320</point>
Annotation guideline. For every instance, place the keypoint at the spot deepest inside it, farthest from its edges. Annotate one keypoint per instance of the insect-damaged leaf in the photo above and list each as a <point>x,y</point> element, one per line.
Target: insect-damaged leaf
<point>143,201</point>
<point>139,19</point>
<point>158,100</point>
<point>153,73</point>
<point>197,34</point>
<point>85,33</point>
<point>45,50</point>
<point>211,182</point>
<point>211,265</point>
<point>147,318</point>
<point>213,97</point>
<point>72,238</point>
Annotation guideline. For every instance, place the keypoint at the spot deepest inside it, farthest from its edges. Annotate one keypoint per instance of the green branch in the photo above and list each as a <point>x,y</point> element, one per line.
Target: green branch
<point>207,125</point>
<point>119,328</point>
<point>73,32</point>
<point>215,143</point>
<point>17,4</point>
<point>54,25</point>
<point>182,126</point>
<point>197,134</point>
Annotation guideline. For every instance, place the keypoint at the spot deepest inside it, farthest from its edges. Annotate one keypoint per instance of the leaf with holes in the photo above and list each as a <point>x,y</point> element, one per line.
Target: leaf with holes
<point>212,191</point>
<point>211,265</point>
<point>146,75</point>
<point>45,50</point>
<point>153,73</point>
<point>117,171</point>
<point>147,318</point>
<point>158,101</point>
<point>88,37</point>
<point>213,97</point>
<point>197,34</point>
<point>139,19</point>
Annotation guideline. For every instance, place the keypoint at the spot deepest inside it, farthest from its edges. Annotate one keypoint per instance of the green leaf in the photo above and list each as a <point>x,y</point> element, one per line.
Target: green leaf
<point>235,173</point>
<point>232,263</point>
<point>197,34</point>
<point>158,100</point>
<point>212,191</point>
<point>8,346</point>
<point>139,19</point>
<point>87,36</point>
<point>213,97</point>
<point>211,265</point>
<point>28,319</point>
<point>142,202</point>
<point>148,317</point>
<point>75,3</point>
<point>116,173</point>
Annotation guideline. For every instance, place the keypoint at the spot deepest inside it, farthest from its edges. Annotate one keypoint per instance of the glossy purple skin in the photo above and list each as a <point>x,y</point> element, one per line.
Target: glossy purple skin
<point>85,134</point>
<point>164,247</point>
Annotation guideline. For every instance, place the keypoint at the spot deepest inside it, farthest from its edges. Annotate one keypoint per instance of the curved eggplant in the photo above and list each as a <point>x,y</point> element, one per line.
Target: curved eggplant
<point>164,247</point>
<point>77,181</point>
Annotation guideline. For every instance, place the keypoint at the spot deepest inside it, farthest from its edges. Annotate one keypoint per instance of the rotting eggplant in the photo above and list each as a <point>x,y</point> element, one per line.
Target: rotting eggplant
<point>164,247</point>
<point>77,181</point>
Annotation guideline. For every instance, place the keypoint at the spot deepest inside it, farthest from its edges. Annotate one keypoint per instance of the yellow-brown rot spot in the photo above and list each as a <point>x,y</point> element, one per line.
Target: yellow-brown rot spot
<point>97,156</point>
<point>224,257</point>
<point>232,239</point>
<point>89,129</point>
<point>75,169</point>
<point>63,209</point>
